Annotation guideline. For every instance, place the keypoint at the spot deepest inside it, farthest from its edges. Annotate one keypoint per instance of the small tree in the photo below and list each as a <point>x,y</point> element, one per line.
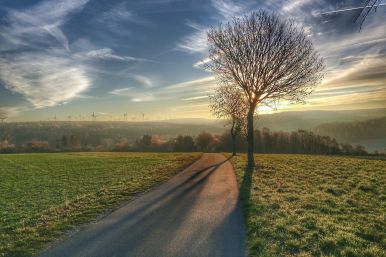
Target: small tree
<point>229,102</point>
<point>204,141</point>
<point>184,144</point>
<point>267,58</point>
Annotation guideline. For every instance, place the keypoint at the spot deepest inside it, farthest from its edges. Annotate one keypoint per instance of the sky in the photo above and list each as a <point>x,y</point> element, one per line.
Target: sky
<point>67,59</point>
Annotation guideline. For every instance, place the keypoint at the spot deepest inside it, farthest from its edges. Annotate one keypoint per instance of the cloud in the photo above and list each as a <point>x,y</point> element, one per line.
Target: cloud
<point>291,6</point>
<point>43,80</point>
<point>367,72</point>
<point>228,8</point>
<point>196,85</point>
<point>195,98</point>
<point>134,94</point>
<point>145,81</point>
<point>201,64</point>
<point>108,54</point>
<point>39,24</point>
<point>195,42</point>
<point>40,66</point>
<point>115,18</point>
<point>186,91</point>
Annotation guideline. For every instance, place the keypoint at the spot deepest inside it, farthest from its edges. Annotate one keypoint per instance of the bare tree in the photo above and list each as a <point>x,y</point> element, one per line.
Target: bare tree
<point>368,5</point>
<point>268,58</point>
<point>3,115</point>
<point>229,102</point>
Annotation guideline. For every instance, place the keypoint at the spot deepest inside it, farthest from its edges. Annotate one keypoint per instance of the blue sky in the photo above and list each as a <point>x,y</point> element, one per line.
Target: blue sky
<point>75,57</point>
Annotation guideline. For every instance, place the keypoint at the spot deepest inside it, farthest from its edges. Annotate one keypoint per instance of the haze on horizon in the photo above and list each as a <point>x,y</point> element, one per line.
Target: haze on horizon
<point>75,57</point>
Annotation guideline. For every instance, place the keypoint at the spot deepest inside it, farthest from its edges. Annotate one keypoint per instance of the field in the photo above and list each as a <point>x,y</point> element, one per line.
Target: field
<point>43,195</point>
<point>304,205</point>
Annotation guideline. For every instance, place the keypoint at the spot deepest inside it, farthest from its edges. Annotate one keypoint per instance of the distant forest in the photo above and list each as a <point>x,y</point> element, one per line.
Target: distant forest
<point>158,136</point>
<point>371,133</point>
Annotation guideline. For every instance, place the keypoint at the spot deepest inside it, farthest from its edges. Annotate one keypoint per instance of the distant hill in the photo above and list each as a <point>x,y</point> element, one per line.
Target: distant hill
<point>290,121</point>
<point>370,133</point>
<point>365,127</point>
<point>293,120</point>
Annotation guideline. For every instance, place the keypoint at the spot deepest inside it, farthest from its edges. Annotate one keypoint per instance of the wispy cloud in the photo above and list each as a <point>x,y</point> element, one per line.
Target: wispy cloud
<point>145,81</point>
<point>229,8</point>
<point>196,41</point>
<point>108,54</point>
<point>40,68</point>
<point>121,13</point>
<point>291,6</point>
<point>115,18</point>
<point>43,80</point>
<point>39,24</point>
<point>38,61</point>
<point>134,94</point>
<point>194,98</point>
<point>201,64</point>
<point>191,91</point>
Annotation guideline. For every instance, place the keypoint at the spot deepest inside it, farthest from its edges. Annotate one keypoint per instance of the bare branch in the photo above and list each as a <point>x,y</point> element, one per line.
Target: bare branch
<point>230,103</point>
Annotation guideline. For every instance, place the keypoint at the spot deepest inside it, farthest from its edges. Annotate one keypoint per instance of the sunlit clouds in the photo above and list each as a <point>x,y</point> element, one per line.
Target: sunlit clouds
<point>113,57</point>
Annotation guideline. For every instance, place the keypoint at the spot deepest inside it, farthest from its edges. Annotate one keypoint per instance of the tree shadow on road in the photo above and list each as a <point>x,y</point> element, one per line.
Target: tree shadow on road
<point>245,190</point>
<point>162,210</point>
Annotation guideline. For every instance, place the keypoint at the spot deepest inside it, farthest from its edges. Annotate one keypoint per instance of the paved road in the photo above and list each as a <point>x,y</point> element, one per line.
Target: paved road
<point>196,213</point>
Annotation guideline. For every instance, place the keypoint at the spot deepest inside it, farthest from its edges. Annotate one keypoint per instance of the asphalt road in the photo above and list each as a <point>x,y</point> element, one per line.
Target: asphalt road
<point>196,213</point>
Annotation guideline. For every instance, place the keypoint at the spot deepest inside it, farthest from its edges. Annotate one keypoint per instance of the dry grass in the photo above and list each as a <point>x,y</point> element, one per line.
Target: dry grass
<point>43,195</point>
<point>304,205</point>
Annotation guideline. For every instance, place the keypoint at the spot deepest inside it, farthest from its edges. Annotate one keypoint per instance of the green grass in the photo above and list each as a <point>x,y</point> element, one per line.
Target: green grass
<point>304,205</point>
<point>43,195</point>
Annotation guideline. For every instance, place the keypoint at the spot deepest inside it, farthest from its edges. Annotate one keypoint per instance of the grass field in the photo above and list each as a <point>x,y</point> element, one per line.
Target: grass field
<point>43,195</point>
<point>304,205</point>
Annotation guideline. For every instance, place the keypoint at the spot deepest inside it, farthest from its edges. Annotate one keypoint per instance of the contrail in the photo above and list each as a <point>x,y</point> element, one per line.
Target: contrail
<point>348,9</point>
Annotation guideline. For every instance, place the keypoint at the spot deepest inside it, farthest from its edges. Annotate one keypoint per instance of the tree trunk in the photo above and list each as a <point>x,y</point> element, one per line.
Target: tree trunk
<point>234,145</point>
<point>251,159</point>
<point>233,135</point>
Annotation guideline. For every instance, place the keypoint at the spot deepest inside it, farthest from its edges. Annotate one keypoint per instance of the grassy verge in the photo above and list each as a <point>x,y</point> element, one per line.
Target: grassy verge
<point>43,195</point>
<point>303,205</point>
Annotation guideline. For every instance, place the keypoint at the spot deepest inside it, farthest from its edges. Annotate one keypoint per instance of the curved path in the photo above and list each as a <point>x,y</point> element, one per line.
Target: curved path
<point>196,213</point>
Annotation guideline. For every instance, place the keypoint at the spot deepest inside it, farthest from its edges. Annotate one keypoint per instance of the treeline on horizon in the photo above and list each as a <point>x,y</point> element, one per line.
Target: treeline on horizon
<point>266,141</point>
<point>369,133</point>
<point>352,131</point>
